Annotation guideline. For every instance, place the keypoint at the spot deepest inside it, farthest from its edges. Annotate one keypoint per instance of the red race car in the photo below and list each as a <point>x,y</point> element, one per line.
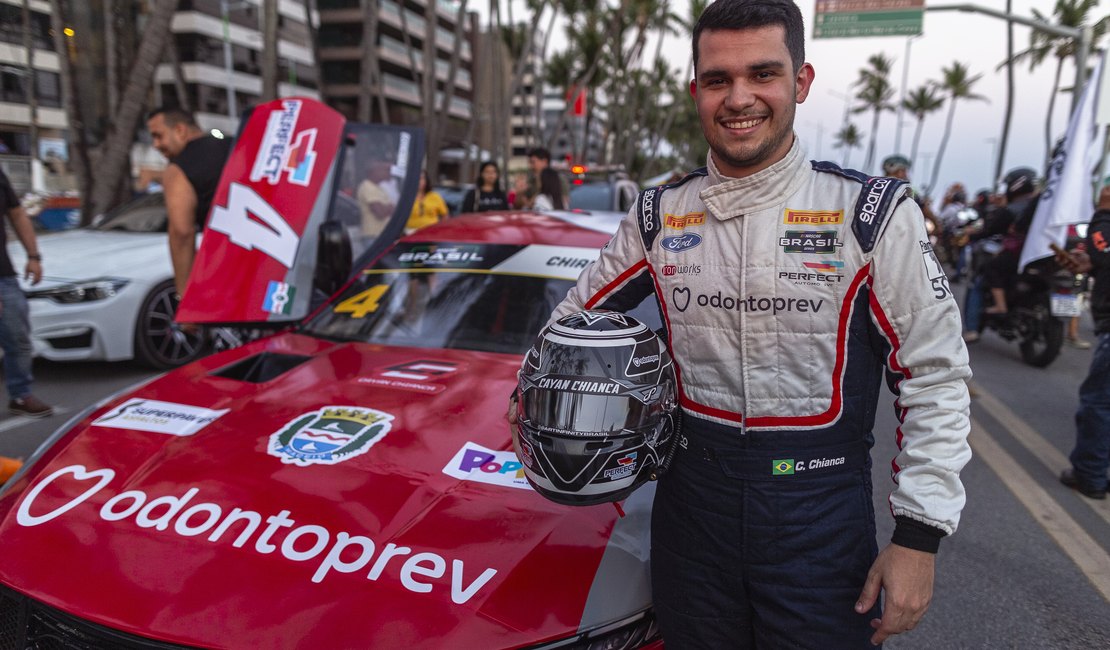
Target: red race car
<point>346,483</point>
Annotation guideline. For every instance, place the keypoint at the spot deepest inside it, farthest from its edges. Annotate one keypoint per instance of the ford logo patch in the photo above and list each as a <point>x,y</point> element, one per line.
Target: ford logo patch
<point>680,243</point>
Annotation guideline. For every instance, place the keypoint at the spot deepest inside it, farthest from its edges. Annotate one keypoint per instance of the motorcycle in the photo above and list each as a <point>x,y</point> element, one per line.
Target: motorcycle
<point>1039,299</point>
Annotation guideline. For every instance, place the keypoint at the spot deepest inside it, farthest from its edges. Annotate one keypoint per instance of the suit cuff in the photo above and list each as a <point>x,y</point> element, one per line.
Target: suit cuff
<point>914,534</point>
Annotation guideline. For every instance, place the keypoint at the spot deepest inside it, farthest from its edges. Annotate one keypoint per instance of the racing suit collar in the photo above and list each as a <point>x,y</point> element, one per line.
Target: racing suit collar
<point>727,197</point>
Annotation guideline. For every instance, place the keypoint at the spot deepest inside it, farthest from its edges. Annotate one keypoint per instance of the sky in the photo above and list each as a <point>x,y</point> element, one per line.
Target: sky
<point>976,40</point>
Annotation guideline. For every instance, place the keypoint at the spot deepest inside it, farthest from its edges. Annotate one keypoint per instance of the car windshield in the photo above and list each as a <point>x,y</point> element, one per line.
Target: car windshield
<point>591,196</point>
<point>487,297</point>
<point>144,214</point>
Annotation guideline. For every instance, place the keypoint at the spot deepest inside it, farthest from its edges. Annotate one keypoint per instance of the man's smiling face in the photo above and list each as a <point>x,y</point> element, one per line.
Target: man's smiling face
<point>746,92</point>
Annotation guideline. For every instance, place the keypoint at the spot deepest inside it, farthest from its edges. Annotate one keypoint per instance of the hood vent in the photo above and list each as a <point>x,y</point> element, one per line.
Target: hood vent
<point>261,367</point>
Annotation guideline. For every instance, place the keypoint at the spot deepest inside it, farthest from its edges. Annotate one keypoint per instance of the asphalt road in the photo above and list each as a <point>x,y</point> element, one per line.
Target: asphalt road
<point>1029,567</point>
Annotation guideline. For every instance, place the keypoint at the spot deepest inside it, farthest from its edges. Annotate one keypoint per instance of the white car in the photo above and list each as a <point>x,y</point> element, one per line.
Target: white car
<point>108,291</point>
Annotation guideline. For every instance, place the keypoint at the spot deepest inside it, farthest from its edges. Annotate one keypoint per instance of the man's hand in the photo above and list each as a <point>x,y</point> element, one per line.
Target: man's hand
<point>33,271</point>
<point>906,576</point>
<point>1104,198</point>
<point>1074,261</point>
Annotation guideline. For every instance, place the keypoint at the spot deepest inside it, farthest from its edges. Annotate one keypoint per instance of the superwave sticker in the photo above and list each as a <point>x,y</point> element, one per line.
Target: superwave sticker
<point>476,463</point>
<point>155,416</point>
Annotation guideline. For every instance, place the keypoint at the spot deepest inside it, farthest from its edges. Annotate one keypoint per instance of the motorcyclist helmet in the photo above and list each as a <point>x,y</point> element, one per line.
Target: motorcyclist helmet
<point>596,403</point>
<point>1019,182</point>
<point>893,164</point>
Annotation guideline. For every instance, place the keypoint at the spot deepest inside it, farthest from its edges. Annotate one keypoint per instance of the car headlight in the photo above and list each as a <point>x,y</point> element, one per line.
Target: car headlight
<point>87,291</point>
<point>632,632</point>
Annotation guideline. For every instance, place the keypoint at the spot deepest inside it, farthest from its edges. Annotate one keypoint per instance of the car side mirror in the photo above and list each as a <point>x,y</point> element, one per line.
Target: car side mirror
<point>333,257</point>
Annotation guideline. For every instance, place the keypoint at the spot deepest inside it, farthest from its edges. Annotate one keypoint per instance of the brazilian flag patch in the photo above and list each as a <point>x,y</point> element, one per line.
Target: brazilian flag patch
<point>782,467</point>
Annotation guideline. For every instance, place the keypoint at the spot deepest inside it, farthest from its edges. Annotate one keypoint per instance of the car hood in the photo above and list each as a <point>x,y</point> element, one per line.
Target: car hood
<point>85,254</point>
<point>203,509</point>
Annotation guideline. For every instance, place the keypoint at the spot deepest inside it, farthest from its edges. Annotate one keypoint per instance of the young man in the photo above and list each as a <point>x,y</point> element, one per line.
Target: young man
<point>15,326</point>
<point>788,288</point>
<point>189,181</point>
<point>545,180</point>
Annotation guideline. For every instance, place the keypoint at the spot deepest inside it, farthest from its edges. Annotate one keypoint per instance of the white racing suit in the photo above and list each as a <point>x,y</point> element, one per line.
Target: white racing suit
<point>786,295</point>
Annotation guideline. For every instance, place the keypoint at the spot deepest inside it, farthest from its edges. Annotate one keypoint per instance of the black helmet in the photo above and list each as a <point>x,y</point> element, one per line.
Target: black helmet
<point>1019,181</point>
<point>595,405</point>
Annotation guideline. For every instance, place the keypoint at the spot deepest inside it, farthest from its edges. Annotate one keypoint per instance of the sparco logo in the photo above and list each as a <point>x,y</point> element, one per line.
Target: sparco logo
<point>681,298</point>
<point>680,243</point>
<point>639,361</point>
<point>648,222</point>
<point>871,205</point>
<point>681,269</point>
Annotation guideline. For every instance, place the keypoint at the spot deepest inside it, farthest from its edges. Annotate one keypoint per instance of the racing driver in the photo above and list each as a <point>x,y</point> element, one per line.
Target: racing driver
<point>788,288</point>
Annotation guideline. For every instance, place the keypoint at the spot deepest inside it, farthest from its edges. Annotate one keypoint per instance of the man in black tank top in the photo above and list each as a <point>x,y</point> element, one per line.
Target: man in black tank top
<point>189,181</point>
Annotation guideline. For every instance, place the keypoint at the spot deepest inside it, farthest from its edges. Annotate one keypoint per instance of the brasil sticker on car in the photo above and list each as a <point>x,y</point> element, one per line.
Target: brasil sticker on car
<point>536,260</point>
<point>329,435</point>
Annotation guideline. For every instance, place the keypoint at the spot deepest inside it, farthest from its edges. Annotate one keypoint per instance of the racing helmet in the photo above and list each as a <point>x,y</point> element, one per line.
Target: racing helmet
<point>1019,181</point>
<point>596,402</point>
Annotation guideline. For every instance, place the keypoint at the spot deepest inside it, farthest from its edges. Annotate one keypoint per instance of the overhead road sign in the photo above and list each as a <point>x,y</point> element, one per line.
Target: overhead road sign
<point>850,18</point>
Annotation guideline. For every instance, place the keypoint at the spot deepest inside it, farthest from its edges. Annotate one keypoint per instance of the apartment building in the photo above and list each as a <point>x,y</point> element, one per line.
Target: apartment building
<point>15,79</point>
<point>219,46</point>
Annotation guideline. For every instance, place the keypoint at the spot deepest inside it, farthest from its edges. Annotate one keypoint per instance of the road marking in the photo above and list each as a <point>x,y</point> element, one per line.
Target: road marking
<point>1050,456</point>
<point>19,420</point>
<point>1076,543</point>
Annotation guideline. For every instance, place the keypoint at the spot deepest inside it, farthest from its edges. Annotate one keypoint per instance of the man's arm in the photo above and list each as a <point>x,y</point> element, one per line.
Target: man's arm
<point>181,210</point>
<point>21,224</point>
<point>927,369</point>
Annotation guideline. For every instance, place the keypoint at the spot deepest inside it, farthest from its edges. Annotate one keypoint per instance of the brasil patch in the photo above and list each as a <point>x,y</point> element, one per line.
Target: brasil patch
<point>329,435</point>
<point>782,467</point>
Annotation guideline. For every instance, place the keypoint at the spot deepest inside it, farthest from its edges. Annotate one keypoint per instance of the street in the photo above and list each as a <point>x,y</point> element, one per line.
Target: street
<point>1030,565</point>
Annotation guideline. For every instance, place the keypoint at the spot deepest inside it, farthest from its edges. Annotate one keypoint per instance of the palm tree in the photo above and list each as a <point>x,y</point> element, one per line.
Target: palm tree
<point>921,101</point>
<point>1067,13</point>
<point>957,84</point>
<point>847,138</point>
<point>875,93</point>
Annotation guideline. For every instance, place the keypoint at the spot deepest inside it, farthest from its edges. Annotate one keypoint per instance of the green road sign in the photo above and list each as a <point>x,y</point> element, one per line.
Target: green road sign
<point>848,18</point>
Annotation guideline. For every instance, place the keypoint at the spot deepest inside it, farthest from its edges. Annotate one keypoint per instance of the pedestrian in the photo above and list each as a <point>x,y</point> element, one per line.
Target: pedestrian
<point>15,324</point>
<point>546,188</point>
<point>189,182</point>
<point>428,208</point>
<point>785,304</point>
<point>486,195</point>
<point>1090,458</point>
<point>377,194</point>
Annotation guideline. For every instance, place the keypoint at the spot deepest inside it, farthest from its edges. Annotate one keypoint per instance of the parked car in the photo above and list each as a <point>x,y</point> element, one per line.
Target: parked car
<point>108,291</point>
<point>608,194</point>
<point>347,484</point>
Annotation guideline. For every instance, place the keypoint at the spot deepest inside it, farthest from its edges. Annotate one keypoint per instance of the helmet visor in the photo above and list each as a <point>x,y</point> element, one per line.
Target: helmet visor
<point>577,413</point>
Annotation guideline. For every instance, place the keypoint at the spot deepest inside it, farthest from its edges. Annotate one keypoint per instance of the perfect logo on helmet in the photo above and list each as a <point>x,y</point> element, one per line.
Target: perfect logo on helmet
<point>330,435</point>
<point>626,465</point>
<point>813,217</point>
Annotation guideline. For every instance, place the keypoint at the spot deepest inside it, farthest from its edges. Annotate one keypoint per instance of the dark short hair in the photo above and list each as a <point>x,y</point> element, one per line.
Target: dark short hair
<point>749,14</point>
<point>539,152</point>
<point>173,115</point>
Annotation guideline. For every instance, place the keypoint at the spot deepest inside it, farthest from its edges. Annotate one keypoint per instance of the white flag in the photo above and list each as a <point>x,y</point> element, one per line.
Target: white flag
<point>1067,197</point>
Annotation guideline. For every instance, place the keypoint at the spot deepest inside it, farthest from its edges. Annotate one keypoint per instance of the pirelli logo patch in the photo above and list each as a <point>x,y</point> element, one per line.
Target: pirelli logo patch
<point>813,217</point>
<point>680,221</point>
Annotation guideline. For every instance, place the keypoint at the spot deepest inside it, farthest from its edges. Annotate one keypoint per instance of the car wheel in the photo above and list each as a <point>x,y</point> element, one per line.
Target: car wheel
<point>159,342</point>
